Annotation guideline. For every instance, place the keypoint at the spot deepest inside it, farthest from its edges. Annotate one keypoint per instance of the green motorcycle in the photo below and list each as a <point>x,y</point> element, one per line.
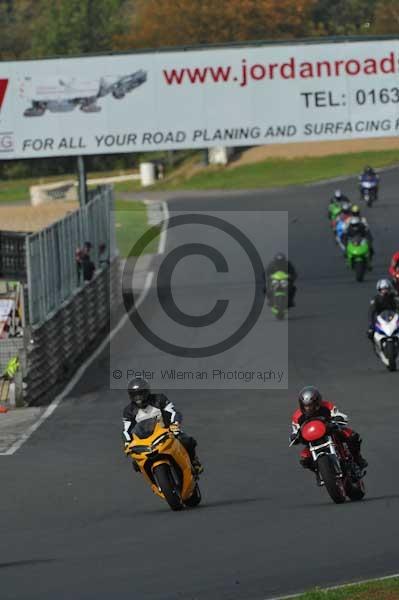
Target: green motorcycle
<point>279,284</point>
<point>358,256</point>
<point>334,209</point>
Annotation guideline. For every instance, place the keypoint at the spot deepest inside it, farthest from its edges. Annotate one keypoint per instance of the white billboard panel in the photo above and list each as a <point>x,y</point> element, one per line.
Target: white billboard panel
<point>245,95</point>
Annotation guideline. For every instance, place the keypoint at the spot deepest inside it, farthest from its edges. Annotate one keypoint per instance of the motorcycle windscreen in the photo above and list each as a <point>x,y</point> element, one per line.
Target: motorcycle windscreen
<point>145,429</point>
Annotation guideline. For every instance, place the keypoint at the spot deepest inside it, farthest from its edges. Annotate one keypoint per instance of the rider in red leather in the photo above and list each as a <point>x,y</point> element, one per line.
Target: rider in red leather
<point>311,405</point>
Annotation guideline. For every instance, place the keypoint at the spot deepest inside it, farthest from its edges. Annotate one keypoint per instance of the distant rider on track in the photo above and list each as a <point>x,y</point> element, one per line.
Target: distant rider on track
<point>336,201</point>
<point>357,225</point>
<point>385,299</point>
<point>281,263</point>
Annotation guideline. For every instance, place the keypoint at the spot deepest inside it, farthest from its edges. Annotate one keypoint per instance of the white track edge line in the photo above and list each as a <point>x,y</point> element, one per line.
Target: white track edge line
<point>164,231</point>
<point>58,399</point>
<point>337,587</point>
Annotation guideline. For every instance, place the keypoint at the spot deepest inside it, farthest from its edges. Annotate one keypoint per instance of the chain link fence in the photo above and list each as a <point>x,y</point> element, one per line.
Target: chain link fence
<point>53,274</point>
<point>67,314</point>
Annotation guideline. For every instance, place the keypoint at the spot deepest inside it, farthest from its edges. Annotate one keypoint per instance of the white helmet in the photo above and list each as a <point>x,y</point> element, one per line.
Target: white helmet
<point>384,284</point>
<point>354,221</point>
<point>338,194</point>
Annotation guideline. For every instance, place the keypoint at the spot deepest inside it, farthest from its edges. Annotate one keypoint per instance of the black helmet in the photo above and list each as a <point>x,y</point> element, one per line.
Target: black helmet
<point>139,390</point>
<point>280,257</point>
<point>346,208</point>
<point>309,400</point>
<point>368,170</point>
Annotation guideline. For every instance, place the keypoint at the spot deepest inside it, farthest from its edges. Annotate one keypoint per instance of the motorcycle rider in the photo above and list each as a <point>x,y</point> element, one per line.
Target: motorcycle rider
<point>369,175</point>
<point>146,405</point>
<point>357,225</point>
<point>312,405</point>
<point>386,299</point>
<point>281,263</point>
<point>394,266</point>
<point>336,200</point>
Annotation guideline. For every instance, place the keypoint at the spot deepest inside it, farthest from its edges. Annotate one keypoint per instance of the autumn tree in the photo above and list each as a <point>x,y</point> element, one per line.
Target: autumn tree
<point>66,27</point>
<point>342,17</point>
<point>157,23</point>
<point>17,21</point>
<point>386,17</point>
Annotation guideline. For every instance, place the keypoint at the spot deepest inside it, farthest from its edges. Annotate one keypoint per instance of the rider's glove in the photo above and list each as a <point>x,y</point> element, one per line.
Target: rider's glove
<point>370,333</point>
<point>175,428</point>
<point>126,448</point>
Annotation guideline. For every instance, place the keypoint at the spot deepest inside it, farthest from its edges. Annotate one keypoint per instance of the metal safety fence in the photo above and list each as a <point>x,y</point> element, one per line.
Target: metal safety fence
<point>52,269</point>
<point>59,346</point>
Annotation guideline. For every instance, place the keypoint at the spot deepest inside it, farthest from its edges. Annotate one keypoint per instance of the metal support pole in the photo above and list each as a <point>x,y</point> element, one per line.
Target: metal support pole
<point>205,157</point>
<point>82,185</point>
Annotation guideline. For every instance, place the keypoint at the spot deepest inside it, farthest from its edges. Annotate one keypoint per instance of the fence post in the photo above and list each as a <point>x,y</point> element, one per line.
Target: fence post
<point>82,181</point>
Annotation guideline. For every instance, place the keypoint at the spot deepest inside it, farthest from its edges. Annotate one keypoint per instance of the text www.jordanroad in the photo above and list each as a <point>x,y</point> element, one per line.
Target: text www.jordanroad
<point>290,69</point>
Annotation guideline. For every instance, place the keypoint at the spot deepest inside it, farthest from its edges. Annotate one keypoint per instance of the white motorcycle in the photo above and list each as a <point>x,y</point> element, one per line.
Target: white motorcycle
<point>386,338</point>
<point>368,191</point>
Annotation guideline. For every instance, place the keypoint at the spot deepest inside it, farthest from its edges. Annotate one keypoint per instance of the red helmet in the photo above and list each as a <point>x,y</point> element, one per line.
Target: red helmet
<point>309,400</point>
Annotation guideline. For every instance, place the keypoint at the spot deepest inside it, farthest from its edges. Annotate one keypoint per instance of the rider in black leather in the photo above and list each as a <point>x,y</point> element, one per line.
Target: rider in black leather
<point>386,299</point>
<point>281,263</point>
<point>145,405</point>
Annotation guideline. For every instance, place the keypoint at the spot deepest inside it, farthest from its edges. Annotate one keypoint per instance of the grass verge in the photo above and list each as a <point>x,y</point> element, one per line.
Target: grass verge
<point>271,173</point>
<point>281,172</point>
<point>131,224</point>
<point>17,190</point>
<point>387,589</point>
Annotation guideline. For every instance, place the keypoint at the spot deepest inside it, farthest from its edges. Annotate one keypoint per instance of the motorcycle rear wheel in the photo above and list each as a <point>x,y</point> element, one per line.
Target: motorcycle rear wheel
<point>334,486</point>
<point>163,477</point>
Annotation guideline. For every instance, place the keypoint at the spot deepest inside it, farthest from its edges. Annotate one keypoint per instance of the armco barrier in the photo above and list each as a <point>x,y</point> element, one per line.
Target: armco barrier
<point>58,346</point>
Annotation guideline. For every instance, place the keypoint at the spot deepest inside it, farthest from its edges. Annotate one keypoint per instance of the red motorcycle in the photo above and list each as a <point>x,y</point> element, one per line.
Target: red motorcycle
<point>394,273</point>
<point>332,461</point>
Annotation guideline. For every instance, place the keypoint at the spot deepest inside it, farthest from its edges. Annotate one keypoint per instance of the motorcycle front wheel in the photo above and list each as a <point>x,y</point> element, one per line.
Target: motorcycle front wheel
<point>390,354</point>
<point>360,270</point>
<point>195,498</point>
<point>280,303</point>
<point>334,486</point>
<point>165,481</point>
<point>355,491</point>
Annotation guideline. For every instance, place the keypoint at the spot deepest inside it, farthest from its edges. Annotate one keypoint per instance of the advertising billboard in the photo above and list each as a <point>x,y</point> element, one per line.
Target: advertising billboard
<point>231,96</point>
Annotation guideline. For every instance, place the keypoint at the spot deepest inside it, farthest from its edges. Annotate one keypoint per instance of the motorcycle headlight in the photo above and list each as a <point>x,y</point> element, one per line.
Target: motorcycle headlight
<point>141,449</point>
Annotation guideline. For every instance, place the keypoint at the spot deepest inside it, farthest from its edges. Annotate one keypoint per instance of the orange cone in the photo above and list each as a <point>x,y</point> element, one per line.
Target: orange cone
<point>3,409</point>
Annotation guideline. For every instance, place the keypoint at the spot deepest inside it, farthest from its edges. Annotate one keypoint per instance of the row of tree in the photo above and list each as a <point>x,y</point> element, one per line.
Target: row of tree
<point>39,28</point>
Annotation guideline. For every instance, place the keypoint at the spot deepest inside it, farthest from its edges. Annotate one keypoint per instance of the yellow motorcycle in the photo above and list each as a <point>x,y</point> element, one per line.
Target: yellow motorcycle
<point>164,463</point>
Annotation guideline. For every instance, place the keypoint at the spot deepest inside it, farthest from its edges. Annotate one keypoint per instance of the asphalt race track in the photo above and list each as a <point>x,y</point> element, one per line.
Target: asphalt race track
<point>76,523</point>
